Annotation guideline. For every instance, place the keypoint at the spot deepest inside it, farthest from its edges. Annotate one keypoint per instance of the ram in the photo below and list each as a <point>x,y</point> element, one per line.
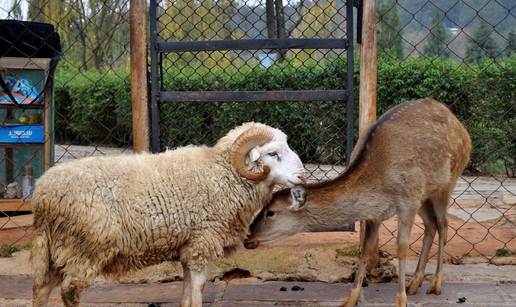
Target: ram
<point>407,163</point>
<point>108,215</point>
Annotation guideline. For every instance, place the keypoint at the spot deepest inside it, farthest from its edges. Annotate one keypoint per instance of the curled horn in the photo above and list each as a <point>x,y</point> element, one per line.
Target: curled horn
<point>243,144</point>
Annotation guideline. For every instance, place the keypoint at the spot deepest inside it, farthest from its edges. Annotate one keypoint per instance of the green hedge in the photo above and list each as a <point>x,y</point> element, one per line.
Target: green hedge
<point>94,107</point>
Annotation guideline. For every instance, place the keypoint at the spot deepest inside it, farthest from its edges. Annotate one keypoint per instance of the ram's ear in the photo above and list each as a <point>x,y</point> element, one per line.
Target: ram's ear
<point>254,155</point>
<point>298,196</point>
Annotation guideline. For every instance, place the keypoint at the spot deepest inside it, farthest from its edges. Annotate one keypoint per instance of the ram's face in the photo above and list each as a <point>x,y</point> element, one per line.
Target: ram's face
<point>261,153</point>
<point>285,166</point>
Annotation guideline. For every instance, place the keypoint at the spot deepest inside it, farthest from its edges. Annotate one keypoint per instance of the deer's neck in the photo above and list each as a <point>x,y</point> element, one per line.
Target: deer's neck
<point>341,203</point>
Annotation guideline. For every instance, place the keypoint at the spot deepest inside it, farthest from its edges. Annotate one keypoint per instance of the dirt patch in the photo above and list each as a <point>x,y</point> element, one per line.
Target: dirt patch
<point>312,263</point>
<point>235,273</point>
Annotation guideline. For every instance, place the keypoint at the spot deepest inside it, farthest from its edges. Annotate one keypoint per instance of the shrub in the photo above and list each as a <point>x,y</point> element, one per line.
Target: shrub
<point>94,107</point>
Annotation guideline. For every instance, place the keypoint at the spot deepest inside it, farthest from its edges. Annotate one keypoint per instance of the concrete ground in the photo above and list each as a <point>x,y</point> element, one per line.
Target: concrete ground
<point>479,284</point>
<point>16,291</point>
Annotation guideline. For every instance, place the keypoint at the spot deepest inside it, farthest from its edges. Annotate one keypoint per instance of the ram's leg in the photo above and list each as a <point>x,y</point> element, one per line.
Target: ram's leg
<point>77,276</point>
<point>198,279</point>
<point>71,289</point>
<point>45,276</point>
<point>186,300</point>
<point>405,222</point>
<point>195,256</point>
<point>42,288</point>
<point>428,216</point>
<point>370,236</point>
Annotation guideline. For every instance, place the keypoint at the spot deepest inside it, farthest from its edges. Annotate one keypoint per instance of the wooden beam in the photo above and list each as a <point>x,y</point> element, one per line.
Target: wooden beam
<point>368,69</point>
<point>368,79</point>
<point>25,63</point>
<point>15,205</point>
<point>139,89</point>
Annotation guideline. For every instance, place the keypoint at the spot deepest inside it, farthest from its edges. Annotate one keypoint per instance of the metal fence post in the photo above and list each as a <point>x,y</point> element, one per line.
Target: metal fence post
<point>154,88</point>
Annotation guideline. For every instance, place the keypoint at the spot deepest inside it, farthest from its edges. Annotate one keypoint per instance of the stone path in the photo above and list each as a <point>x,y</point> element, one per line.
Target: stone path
<point>16,291</point>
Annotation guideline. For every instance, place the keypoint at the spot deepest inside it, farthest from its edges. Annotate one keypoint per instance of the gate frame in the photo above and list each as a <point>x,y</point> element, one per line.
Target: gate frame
<point>158,48</point>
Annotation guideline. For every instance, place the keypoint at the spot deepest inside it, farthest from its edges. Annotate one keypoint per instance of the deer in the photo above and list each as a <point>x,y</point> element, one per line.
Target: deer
<point>406,164</point>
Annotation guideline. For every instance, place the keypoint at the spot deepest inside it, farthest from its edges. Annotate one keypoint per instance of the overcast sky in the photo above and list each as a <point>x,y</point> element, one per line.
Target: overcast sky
<point>6,5</point>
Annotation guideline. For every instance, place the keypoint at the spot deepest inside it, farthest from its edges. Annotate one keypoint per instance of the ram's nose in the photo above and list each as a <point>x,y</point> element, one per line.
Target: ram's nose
<point>250,244</point>
<point>302,178</point>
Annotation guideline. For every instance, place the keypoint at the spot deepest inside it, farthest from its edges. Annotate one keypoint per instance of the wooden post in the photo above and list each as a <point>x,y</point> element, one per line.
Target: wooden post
<point>367,101</point>
<point>139,89</point>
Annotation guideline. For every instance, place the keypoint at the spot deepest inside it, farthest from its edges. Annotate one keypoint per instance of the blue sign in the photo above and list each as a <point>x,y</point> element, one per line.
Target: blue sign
<point>22,134</point>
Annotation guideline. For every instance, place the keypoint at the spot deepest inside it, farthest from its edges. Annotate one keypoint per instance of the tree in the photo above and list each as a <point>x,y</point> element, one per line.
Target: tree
<point>481,45</point>
<point>271,19</point>
<point>276,25</point>
<point>436,44</point>
<point>511,43</point>
<point>16,10</point>
<point>389,28</point>
<point>93,32</point>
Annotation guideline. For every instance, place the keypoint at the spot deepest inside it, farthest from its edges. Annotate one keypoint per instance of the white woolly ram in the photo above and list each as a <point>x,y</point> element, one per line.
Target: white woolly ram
<point>108,215</point>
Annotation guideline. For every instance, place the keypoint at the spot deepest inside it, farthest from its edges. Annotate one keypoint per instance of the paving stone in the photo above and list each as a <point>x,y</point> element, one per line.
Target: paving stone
<point>509,290</point>
<point>467,305</point>
<point>475,294</point>
<point>270,291</point>
<point>126,293</point>
<point>16,287</point>
<point>146,293</point>
<point>16,291</point>
<point>12,287</point>
<point>283,304</point>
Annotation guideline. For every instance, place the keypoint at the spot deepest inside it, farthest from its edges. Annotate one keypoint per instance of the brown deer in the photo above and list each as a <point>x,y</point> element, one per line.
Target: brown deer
<point>407,163</point>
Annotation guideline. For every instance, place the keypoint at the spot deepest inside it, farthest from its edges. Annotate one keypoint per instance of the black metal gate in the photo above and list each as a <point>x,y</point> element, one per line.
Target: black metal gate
<point>161,46</point>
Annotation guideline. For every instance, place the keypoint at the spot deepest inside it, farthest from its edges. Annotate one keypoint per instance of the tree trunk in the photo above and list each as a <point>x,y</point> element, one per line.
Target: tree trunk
<point>84,51</point>
<point>280,25</point>
<point>271,19</point>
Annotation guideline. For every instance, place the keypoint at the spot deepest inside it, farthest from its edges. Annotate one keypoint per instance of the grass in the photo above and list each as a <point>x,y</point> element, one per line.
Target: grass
<point>353,251</point>
<point>7,250</point>
<point>502,252</point>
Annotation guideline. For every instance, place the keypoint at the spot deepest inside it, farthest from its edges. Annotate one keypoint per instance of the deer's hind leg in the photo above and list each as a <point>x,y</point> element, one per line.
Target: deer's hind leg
<point>428,216</point>
<point>405,221</point>
<point>440,206</point>
<point>370,237</point>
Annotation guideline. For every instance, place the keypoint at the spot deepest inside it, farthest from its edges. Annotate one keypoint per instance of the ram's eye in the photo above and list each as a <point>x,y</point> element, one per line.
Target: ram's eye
<point>270,213</point>
<point>273,154</point>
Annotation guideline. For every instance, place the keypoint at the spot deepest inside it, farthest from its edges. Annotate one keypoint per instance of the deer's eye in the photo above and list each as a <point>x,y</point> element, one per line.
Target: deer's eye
<point>270,213</point>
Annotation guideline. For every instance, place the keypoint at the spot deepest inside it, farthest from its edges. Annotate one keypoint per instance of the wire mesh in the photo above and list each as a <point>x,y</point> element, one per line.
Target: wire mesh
<point>255,70</point>
<point>460,52</point>
<point>90,114</point>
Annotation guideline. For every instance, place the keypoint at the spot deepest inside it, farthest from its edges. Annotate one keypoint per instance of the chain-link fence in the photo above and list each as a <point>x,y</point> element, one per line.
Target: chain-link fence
<point>316,129</point>
<point>456,51</point>
<point>90,113</point>
<point>461,52</point>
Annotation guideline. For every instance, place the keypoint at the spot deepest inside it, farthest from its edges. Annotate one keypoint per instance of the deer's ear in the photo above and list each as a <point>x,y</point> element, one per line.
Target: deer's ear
<point>298,196</point>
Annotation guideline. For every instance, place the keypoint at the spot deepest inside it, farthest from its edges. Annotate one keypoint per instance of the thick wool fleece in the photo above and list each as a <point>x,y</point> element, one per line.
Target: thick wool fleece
<point>118,213</point>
